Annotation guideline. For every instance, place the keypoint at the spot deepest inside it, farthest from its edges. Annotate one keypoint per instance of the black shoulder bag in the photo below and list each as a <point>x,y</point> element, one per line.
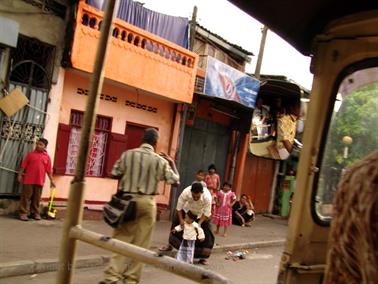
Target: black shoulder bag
<point>120,209</point>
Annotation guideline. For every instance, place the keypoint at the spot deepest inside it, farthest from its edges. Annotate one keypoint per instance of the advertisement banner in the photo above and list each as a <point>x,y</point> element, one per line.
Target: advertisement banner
<point>223,81</point>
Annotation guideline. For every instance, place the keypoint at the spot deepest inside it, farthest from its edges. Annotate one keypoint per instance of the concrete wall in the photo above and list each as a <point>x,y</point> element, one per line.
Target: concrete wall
<point>50,29</point>
<point>35,23</point>
<point>99,189</point>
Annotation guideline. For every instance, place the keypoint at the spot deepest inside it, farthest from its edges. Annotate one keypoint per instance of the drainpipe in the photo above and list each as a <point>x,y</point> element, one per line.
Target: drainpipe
<point>175,192</point>
<point>173,126</point>
<point>234,157</point>
<point>69,33</point>
<point>175,188</point>
<point>241,161</point>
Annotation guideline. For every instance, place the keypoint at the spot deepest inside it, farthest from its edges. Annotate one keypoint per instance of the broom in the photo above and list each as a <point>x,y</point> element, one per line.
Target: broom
<point>51,212</point>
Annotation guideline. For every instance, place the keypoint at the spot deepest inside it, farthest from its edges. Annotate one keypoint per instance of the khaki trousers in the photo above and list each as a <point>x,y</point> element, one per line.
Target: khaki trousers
<point>138,233</point>
<point>30,193</point>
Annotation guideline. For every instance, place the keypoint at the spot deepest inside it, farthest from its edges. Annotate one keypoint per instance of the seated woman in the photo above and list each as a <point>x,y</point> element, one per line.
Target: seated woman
<point>242,212</point>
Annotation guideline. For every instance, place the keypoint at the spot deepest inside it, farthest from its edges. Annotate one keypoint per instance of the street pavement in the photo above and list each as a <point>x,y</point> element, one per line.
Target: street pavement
<point>30,247</point>
<point>259,267</point>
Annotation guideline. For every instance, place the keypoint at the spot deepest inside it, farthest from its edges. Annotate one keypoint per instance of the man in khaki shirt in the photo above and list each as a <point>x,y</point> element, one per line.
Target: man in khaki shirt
<point>140,171</point>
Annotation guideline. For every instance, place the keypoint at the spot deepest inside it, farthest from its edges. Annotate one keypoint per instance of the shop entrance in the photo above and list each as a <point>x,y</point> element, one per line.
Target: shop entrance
<point>257,181</point>
<point>19,132</point>
<point>205,143</point>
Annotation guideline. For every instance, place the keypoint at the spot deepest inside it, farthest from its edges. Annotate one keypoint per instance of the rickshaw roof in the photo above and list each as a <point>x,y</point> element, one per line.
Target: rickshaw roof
<point>299,21</point>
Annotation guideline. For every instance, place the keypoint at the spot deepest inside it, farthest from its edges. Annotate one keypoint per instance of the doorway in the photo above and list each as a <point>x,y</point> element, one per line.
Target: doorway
<point>205,143</point>
<point>19,132</point>
<point>134,135</point>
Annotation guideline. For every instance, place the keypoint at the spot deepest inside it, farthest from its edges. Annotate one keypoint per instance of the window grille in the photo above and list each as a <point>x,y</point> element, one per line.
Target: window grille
<point>96,154</point>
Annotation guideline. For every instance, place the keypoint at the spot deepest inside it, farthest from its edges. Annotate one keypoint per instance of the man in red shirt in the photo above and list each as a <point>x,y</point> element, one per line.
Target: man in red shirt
<point>34,167</point>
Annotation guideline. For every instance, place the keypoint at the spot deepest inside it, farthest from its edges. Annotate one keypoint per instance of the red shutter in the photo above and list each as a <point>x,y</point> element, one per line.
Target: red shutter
<point>62,142</point>
<point>135,135</point>
<point>116,146</point>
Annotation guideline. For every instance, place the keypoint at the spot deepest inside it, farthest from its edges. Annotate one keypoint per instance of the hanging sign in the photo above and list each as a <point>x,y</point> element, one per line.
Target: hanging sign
<point>223,81</point>
<point>13,102</point>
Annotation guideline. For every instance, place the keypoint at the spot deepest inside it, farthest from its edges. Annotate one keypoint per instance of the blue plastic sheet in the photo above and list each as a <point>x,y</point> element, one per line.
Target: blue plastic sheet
<point>174,29</point>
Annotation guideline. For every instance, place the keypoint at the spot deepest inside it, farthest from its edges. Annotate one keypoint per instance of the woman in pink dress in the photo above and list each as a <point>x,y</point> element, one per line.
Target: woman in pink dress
<point>223,213</point>
<point>212,181</point>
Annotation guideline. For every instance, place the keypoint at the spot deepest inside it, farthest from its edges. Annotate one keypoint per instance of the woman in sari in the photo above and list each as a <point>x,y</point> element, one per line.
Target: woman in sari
<point>243,212</point>
<point>212,181</point>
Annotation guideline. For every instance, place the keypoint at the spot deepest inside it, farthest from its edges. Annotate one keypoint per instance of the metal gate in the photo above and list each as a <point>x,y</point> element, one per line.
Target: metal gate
<point>205,143</point>
<point>19,132</point>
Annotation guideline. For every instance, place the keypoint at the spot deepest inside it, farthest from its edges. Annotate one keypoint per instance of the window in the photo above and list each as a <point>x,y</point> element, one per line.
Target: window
<point>30,53</point>
<point>97,151</point>
<point>351,136</point>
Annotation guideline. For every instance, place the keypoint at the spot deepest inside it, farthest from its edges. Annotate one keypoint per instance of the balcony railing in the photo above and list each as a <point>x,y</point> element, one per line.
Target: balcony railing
<point>135,57</point>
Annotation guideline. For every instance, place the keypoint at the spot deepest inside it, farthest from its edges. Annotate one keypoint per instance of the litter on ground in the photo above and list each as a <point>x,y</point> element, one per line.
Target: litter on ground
<point>236,255</point>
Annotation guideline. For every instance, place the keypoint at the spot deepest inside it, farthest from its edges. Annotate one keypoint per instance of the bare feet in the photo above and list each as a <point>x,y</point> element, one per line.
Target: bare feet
<point>224,235</point>
<point>203,262</point>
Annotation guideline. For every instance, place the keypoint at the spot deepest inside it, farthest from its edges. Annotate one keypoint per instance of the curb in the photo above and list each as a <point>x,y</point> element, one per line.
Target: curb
<point>223,248</point>
<point>276,217</point>
<point>251,245</point>
<point>24,267</point>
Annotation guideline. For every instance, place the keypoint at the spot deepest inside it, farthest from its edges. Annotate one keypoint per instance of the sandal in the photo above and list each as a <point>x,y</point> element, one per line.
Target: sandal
<point>24,218</point>
<point>166,248</point>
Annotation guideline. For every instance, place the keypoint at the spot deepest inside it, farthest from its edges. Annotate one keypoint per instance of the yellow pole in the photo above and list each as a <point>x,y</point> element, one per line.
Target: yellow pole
<point>169,264</point>
<point>51,198</point>
<point>75,199</point>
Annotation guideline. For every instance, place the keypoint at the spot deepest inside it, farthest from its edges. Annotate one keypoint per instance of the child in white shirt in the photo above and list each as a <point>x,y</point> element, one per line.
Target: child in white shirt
<point>191,231</point>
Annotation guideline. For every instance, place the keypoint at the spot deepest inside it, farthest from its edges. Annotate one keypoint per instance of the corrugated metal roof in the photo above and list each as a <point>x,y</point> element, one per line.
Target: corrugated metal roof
<point>217,39</point>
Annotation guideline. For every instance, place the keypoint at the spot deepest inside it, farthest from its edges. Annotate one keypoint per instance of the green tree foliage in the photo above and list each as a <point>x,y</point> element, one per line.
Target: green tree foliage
<point>357,118</point>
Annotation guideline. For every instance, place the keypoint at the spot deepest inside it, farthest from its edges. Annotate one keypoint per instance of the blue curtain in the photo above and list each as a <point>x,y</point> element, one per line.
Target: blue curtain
<point>174,29</point>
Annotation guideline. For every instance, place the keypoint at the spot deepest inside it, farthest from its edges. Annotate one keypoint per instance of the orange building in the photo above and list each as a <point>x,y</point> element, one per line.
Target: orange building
<point>146,80</point>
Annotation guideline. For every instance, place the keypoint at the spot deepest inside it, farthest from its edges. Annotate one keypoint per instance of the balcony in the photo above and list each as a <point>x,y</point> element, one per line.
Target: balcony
<point>135,57</point>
